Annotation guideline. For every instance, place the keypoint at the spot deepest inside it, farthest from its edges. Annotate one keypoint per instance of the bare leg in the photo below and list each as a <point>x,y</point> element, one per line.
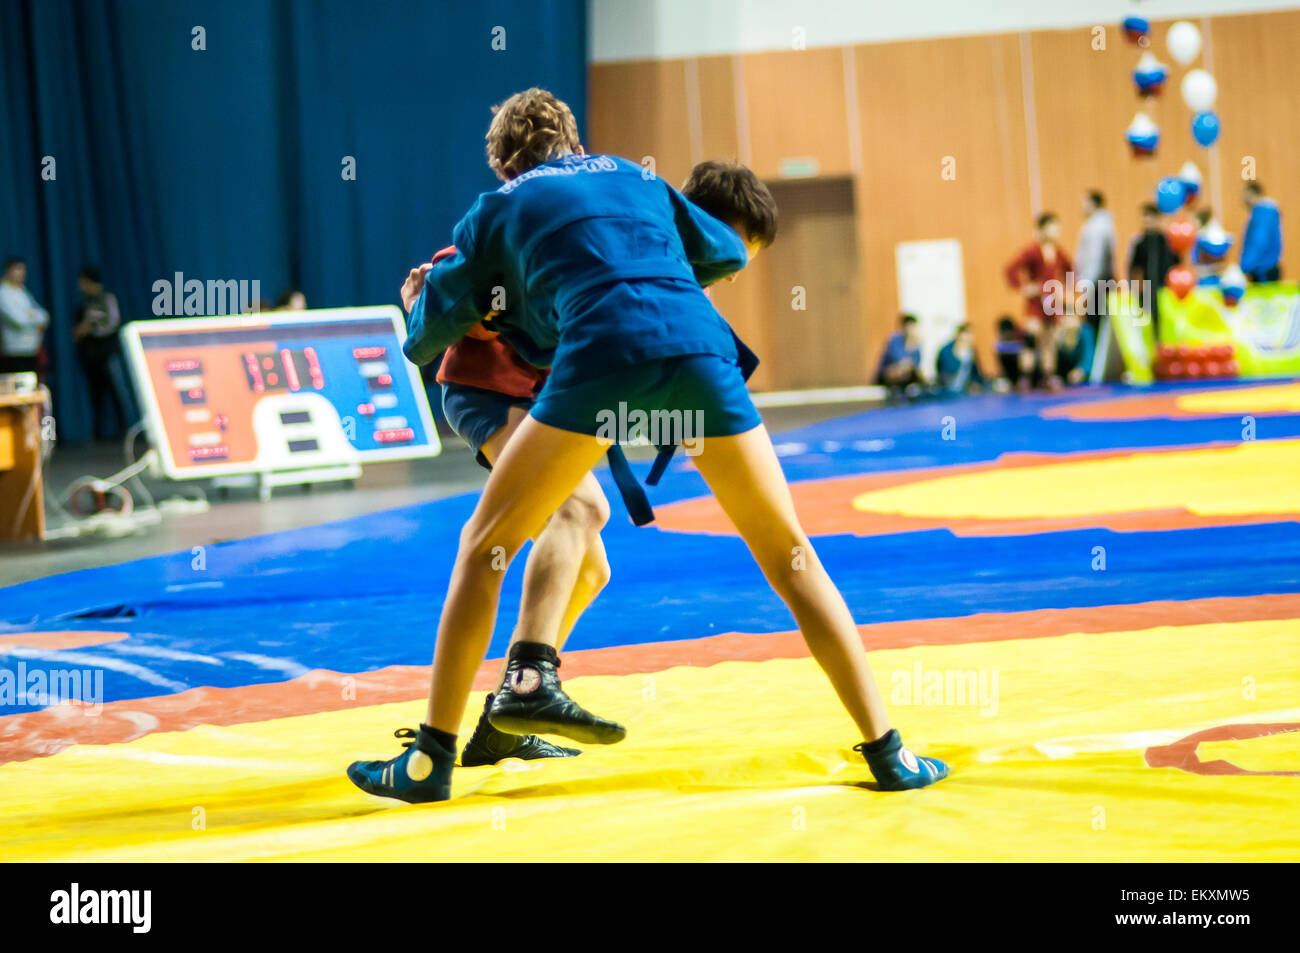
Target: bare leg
<point>515,505</point>
<point>566,568</point>
<point>744,474</point>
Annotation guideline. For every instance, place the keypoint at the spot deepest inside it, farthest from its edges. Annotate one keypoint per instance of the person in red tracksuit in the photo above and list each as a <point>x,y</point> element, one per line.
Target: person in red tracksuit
<point>1039,273</point>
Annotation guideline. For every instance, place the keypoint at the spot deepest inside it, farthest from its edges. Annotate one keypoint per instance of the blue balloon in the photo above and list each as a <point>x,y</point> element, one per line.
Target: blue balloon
<point>1170,194</point>
<point>1205,128</point>
<point>1136,27</point>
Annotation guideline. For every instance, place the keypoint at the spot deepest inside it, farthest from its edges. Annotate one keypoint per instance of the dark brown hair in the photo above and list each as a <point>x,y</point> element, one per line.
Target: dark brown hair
<point>733,194</point>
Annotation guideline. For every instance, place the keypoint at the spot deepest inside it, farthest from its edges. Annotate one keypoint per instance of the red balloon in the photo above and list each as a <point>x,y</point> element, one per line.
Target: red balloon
<point>1223,352</point>
<point>1231,368</point>
<point>1176,369</point>
<point>1181,234</point>
<point>1213,369</point>
<point>1180,280</point>
<point>1194,369</point>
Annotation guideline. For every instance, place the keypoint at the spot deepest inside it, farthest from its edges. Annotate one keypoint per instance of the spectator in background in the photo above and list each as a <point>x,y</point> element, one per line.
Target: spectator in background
<point>1150,260</point>
<point>1076,345</point>
<point>1095,255</point>
<point>1207,272</point>
<point>22,321</point>
<point>1261,246</point>
<point>1039,263</point>
<point>1015,356</point>
<point>900,364</point>
<point>95,330</point>
<point>291,300</point>
<point>957,369</point>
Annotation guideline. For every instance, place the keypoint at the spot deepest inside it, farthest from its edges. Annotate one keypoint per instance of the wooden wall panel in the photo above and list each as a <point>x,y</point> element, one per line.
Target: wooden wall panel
<point>1085,100</point>
<point>1259,111</point>
<point>921,104</point>
<point>641,109</point>
<point>795,104</point>
<point>717,86</point>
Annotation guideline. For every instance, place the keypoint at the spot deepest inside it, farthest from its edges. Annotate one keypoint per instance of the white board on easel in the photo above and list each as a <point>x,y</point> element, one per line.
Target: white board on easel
<point>931,286</point>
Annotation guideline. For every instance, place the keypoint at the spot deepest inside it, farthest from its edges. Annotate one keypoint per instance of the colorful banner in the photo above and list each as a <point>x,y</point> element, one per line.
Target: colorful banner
<point>1263,329</point>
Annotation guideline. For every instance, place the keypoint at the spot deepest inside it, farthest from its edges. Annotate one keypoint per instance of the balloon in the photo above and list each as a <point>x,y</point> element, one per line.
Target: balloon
<point>1184,42</point>
<point>1199,91</point>
<point>1180,280</point>
<point>1181,234</point>
<point>1213,369</point>
<point>1212,244</point>
<point>1176,369</point>
<point>1136,29</point>
<point>1150,75</point>
<point>1232,284</point>
<point>1143,135</point>
<point>1170,193</point>
<point>1205,129</point>
<point>1190,176</point>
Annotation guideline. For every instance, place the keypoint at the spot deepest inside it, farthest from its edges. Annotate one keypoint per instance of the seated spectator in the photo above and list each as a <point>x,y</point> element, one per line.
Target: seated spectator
<point>1075,346</point>
<point>957,368</point>
<point>291,300</point>
<point>1016,356</point>
<point>97,322</point>
<point>22,321</point>
<point>900,364</point>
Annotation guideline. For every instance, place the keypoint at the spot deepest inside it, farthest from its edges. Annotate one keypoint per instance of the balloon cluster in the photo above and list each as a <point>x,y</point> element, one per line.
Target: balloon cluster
<point>1176,193</point>
<point>1198,87</point>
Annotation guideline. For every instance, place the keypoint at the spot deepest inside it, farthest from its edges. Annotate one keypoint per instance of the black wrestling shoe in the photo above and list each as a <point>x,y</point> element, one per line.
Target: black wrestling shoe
<point>532,702</point>
<point>488,746</point>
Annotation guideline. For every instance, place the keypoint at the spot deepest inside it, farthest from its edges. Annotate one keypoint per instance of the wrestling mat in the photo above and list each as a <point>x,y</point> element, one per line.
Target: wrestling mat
<point>1088,604</point>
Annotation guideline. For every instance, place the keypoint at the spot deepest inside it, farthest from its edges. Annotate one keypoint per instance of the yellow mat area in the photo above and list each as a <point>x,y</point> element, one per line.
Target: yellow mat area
<point>1252,477</point>
<point>739,761</point>
<point>1271,399</point>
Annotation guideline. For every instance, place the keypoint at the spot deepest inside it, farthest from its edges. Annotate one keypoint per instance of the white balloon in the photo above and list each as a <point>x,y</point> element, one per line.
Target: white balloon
<point>1199,91</point>
<point>1184,42</point>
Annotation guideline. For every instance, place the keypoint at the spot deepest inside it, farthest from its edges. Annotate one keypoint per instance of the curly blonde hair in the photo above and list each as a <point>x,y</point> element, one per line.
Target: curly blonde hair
<point>528,129</point>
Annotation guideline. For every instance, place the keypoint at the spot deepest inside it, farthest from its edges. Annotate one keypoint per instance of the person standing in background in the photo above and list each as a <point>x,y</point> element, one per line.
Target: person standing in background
<point>1039,263</point>
<point>1095,255</point>
<point>22,321</point>
<point>1261,246</point>
<point>97,321</point>
<point>1150,260</point>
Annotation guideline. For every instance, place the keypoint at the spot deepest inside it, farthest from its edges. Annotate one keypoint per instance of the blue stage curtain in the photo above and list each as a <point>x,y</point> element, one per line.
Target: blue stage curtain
<point>226,163</point>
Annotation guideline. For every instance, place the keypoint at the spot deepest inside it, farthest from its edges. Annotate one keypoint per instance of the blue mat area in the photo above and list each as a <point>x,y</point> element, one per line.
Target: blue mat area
<point>366,592</point>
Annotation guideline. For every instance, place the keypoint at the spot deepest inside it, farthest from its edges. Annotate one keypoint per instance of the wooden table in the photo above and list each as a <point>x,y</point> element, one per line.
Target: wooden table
<point>22,498</point>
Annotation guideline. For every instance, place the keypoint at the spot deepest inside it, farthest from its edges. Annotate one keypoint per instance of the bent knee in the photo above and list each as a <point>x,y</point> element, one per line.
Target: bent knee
<point>589,511</point>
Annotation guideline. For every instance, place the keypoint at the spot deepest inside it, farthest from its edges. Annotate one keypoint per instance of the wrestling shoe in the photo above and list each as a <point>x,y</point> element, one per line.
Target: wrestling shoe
<point>421,773</point>
<point>531,701</point>
<point>488,746</point>
<point>895,768</point>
